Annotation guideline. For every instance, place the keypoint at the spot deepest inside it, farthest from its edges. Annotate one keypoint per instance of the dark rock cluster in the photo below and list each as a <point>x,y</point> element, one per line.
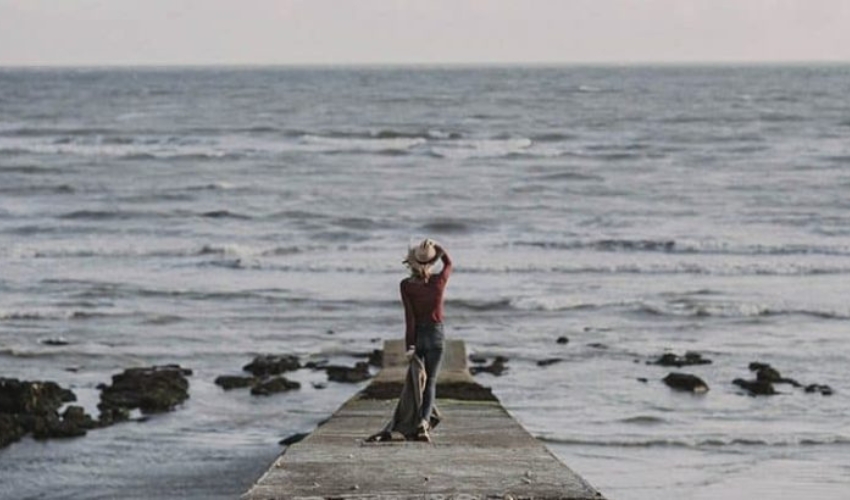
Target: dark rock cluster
<point>273,385</point>
<point>155,389</point>
<point>347,374</point>
<point>32,407</point>
<point>766,373</point>
<point>228,382</point>
<point>477,359</point>
<point>689,359</point>
<point>265,378</point>
<point>497,367</point>
<point>358,373</point>
<point>374,358</point>
<point>767,376</point>
<point>756,387</point>
<point>266,373</point>
<point>266,365</point>
<point>685,382</point>
<point>824,390</point>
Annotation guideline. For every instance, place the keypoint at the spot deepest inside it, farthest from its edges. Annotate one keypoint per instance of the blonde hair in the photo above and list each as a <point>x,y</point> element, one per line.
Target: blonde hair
<point>417,269</point>
<point>415,259</point>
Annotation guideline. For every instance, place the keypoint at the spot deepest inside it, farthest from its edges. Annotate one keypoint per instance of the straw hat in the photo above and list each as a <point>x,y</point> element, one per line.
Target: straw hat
<point>421,255</point>
<point>425,252</point>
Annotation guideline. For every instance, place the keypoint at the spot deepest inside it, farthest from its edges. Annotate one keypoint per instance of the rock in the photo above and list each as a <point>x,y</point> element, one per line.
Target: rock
<point>563,340</point>
<point>375,358</point>
<point>359,373</point>
<point>112,415</point>
<point>53,427</point>
<point>33,407</point>
<point>689,359</point>
<point>317,365</point>
<point>478,360</point>
<point>766,373</point>
<point>825,390</point>
<point>643,380</point>
<point>77,416</point>
<point>264,366</point>
<point>549,361</point>
<point>32,398</point>
<point>228,382</point>
<point>58,341</point>
<point>11,429</point>
<point>756,387</point>
<point>597,345</point>
<point>222,214</point>
<point>152,390</point>
<point>295,438</point>
<point>41,426</point>
<point>273,386</point>
<point>497,367</point>
<point>756,366</point>
<point>686,382</point>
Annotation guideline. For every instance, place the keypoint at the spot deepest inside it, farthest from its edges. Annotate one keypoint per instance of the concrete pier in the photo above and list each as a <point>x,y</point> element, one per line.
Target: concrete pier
<point>478,450</point>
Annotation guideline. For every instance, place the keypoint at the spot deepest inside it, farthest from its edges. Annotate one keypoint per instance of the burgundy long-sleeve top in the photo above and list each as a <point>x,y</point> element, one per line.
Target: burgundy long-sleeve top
<point>423,302</point>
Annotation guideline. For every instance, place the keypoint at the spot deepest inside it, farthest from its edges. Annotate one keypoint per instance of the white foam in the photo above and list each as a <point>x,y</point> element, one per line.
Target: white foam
<point>341,144</point>
<point>481,148</point>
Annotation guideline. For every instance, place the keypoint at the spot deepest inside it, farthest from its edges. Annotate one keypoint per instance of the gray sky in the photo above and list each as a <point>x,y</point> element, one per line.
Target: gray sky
<point>129,32</point>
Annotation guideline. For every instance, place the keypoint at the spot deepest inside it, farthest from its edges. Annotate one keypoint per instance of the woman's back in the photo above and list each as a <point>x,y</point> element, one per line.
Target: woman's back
<point>426,298</point>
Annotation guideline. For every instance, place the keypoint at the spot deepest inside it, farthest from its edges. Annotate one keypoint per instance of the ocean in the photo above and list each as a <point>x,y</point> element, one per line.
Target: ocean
<point>202,216</point>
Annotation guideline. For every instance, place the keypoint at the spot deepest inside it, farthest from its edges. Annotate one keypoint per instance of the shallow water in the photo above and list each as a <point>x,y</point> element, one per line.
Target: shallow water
<point>203,216</point>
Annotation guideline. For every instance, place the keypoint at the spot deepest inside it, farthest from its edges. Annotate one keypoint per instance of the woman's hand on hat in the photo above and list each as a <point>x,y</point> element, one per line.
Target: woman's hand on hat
<point>440,251</point>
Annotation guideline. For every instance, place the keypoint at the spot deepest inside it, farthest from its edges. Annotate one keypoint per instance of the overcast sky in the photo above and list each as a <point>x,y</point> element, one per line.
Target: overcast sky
<point>166,32</point>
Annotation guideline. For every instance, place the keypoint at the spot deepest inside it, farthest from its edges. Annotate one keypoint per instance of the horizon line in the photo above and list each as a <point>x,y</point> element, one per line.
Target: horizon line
<point>435,65</point>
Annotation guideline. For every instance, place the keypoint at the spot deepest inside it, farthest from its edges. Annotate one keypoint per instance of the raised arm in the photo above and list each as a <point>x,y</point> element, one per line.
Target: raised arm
<point>447,261</point>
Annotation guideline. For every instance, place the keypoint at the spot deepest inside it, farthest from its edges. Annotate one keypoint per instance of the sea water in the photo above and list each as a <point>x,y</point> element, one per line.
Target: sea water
<point>204,216</point>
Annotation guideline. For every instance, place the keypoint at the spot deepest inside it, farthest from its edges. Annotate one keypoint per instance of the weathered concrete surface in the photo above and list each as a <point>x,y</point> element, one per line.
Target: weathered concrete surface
<point>479,451</point>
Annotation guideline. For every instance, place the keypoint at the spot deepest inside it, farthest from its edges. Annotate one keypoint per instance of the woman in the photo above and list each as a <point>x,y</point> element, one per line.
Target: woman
<point>422,296</point>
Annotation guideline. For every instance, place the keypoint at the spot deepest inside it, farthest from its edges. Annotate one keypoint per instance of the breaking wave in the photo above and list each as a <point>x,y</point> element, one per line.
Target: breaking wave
<point>733,310</point>
<point>117,214</point>
<point>673,246</point>
<point>731,442</point>
<point>58,315</point>
<point>673,308</point>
